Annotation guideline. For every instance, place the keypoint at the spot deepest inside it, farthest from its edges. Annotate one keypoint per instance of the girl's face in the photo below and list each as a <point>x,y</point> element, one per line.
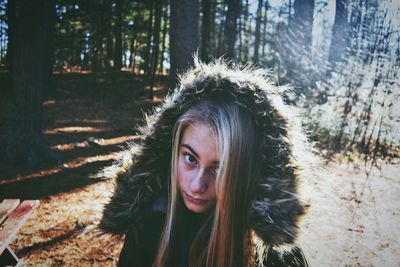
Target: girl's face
<point>198,161</point>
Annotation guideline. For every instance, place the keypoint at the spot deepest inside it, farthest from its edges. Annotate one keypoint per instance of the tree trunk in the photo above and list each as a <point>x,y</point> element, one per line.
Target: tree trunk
<point>96,53</point>
<point>133,51</point>
<point>232,16</point>
<point>213,33</point>
<point>118,35</point>
<point>108,31</point>
<point>240,37</point>
<point>221,43</point>
<point>340,34</point>
<point>49,84</point>
<point>206,30</point>
<point>302,25</point>
<point>265,19</point>
<point>101,32</point>
<point>156,41</point>
<point>246,30</point>
<point>258,31</point>
<point>164,34</point>
<point>184,33</point>
<point>32,33</point>
<point>147,58</point>
<point>298,48</point>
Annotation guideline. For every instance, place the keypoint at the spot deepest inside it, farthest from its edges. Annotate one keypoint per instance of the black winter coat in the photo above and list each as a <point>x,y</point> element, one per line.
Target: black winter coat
<point>142,172</point>
<point>141,245</point>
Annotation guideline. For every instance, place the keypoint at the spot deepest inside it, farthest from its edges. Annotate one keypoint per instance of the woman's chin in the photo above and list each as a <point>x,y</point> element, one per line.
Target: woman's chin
<point>197,206</point>
<point>196,209</point>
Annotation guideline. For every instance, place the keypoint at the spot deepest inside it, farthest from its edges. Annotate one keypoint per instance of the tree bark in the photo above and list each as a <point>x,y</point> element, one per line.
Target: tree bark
<point>156,41</point>
<point>340,34</point>
<point>246,36</point>
<point>298,48</point>
<point>164,34</point>
<point>96,38</point>
<point>231,30</point>
<point>206,30</point>
<point>220,47</point>
<point>258,30</point>
<point>213,33</point>
<point>240,37</point>
<point>118,35</point>
<point>133,51</point>
<point>108,23</point>
<point>147,57</point>
<point>184,33</point>
<point>32,33</point>
<point>264,40</point>
<point>302,25</point>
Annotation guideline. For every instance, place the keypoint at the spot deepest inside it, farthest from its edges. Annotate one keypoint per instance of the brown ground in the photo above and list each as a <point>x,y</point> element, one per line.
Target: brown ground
<point>354,216</point>
<point>87,121</point>
<point>353,219</point>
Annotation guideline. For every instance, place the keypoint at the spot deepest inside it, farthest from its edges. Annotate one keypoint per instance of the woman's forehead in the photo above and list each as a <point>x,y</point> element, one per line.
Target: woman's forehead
<point>201,139</point>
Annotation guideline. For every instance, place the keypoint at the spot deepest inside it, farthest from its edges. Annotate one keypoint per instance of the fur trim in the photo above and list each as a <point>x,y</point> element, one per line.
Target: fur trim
<point>142,172</point>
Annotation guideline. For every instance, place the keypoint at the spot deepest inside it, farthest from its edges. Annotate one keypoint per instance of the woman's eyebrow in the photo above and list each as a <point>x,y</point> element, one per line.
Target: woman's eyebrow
<point>191,150</point>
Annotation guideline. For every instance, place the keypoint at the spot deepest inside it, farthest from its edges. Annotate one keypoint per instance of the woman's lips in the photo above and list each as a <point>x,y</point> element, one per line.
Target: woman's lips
<point>195,200</point>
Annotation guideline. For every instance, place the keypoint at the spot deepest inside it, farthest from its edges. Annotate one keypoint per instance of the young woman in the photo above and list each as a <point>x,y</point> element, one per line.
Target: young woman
<point>212,180</point>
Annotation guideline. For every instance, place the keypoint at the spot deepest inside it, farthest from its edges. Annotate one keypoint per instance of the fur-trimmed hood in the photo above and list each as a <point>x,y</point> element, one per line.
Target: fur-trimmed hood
<point>142,173</point>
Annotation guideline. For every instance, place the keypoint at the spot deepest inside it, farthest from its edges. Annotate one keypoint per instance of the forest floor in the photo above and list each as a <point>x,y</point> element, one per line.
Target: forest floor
<point>353,219</point>
<point>354,216</point>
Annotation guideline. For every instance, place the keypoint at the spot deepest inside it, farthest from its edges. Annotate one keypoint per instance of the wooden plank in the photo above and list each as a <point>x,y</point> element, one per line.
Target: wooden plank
<point>15,221</point>
<point>6,207</point>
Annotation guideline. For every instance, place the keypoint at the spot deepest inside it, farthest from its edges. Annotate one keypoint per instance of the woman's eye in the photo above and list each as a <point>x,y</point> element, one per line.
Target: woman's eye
<point>189,159</point>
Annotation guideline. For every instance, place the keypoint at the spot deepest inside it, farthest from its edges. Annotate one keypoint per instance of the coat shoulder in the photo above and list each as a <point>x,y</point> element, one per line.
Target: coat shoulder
<point>290,258</point>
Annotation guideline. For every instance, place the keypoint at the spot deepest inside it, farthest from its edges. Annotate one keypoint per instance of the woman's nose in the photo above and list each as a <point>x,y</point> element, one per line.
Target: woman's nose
<point>199,182</point>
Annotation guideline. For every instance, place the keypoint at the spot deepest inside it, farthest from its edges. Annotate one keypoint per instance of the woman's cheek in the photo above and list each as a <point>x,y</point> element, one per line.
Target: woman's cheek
<point>182,174</point>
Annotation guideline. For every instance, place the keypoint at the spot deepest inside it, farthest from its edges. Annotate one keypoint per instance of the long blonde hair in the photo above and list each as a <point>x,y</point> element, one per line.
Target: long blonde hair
<point>224,240</point>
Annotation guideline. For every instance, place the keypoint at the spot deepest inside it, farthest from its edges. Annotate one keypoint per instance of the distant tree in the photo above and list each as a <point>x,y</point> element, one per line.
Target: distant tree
<point>264,34</point>
<point>206,30</point>
<point>231,27</point>
<point>108,21</point>
<point>301,24</point>
<point>153,44</point>
<point>340,33</point>
<point>49,57</point>
<point>184,33</point>
<point>164,34</point>
<point>158,7</point>
<point>220,47</point>
<point>149,37</point>
<point>98,34</point>
<point>118,35</point>
<point>213,41</point>
<point>31,39</point>
<point>245,34</point>
<point>298,47</point>
<point>258,30</point>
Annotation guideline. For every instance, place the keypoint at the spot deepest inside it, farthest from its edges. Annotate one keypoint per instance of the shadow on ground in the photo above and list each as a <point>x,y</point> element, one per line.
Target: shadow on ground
<point>87,120</point>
